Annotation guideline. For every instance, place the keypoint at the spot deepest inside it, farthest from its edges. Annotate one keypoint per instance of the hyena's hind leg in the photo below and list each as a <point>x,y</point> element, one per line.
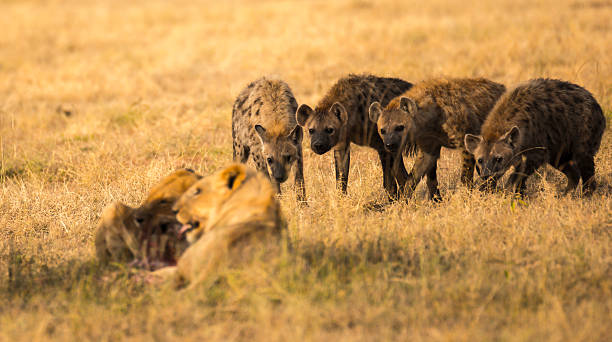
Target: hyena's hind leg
<point>467,169</point>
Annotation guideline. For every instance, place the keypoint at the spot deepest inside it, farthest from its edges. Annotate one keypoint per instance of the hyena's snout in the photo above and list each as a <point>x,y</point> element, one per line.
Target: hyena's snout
<point>279,174</point>
<point>392,143</point>
<point>320,144</point>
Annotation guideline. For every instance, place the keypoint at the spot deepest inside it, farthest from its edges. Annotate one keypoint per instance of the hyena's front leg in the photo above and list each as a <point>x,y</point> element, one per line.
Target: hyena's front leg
<point>467,169</point>
<point>425,164</point>
<point>300,188</point>
<point>386,161</point>
<point>518,178</point>
<point>342,161</point>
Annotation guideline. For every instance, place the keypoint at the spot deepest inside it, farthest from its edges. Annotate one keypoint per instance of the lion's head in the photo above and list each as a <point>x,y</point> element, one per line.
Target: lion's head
<point>147,234</point>
<point>230,208</point>
<point>235,194</point>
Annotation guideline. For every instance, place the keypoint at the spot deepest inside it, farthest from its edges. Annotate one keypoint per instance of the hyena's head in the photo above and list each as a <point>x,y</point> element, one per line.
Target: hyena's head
<point>323,126</point>
<point>280,151</point>
<point>493,156</point>
<point>394,122</point>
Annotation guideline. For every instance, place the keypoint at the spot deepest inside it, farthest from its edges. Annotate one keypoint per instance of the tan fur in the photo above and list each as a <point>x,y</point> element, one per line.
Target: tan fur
<point>225,214</point>
<point>146,234</point>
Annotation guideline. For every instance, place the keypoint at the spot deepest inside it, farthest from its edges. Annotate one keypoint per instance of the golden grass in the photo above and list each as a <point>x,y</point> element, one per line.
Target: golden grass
<point>149,86</point>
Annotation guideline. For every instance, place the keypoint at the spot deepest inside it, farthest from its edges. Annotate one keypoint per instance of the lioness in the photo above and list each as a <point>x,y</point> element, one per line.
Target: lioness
<point>223,215</point>
<point>146,235</point>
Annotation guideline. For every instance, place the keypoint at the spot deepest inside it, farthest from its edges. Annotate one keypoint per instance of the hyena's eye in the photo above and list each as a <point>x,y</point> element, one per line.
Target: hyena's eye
<point>311,130</point>
<point>329,130</point>
<point>270,160</point>
<point>479,161</point>
<point>399,128</point>
<point>382,131</point>
<point>287,158</point>
<point>498,159</point>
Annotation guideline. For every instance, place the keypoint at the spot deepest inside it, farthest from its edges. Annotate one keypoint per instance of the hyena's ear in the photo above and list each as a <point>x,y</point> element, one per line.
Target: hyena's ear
<point>296,135</point>
<point>375,111</point>
<point>261,132</point>
<point>339,111</point>
<point>407,105</point>
<point>511,137</point>
<point>302,114</point>
<point>233,176</point>
<point>471,142</point>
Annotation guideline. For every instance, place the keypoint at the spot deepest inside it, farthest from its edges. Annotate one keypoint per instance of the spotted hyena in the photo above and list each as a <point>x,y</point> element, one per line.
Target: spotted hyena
<point>264,127</point>
<point>433,114</point>
<point>341,118</point>
<point>540,121</point>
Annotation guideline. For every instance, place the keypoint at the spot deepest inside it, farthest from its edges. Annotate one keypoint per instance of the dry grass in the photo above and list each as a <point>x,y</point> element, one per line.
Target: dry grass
<point>149,86</point>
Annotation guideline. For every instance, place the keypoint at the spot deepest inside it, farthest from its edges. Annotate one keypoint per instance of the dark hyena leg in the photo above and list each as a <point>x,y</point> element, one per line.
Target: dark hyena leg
<point>518,178</point>
<point>586,165</point>
<point>422,166</point>
<point>399,172</point>
<point>300,189</point>
<point>432,182</point>
<point>572,173</point>
<point>342,159</point>
<point>432,175</point>
<point>386,161</point>
<point>467,169</point>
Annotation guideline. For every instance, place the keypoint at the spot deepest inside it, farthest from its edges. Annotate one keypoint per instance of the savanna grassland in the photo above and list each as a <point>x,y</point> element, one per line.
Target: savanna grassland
<point>100,99</point>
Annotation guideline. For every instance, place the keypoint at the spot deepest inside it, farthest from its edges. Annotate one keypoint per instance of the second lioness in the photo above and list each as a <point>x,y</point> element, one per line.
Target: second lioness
<point>264,127</point>
<point>432,114</point>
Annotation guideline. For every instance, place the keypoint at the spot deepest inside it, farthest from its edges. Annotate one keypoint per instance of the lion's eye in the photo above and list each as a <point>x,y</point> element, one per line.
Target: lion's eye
<point>197,191</point>
<point>164,201</point>
<point>383,131</point>
<point>399,128</point>
<point>479,161</point>
<point>270,160</point>
<point>311,130</point>
<point>329,130</point>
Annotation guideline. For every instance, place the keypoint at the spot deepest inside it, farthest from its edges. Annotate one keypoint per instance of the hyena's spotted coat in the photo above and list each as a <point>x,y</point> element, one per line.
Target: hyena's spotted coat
<point>433,114</point>
<point>264,127</point>
<point>540,121</point>
<point>341,118</point>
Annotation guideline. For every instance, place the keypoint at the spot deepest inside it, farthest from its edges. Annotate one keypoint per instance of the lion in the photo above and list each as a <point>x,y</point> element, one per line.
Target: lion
<point>148,235</point>
<point>226,217</point>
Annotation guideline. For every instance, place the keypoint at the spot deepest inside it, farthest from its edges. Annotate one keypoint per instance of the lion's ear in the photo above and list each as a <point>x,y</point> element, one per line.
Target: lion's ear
<point>234,175</point>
